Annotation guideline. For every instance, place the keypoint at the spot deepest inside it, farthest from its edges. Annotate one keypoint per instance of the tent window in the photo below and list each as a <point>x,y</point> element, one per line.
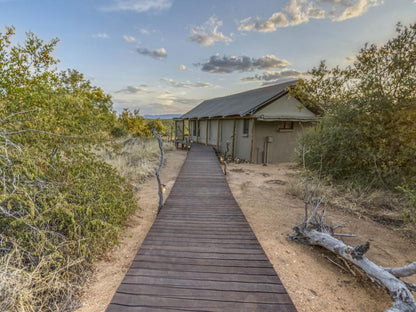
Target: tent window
<point>246,126</point>
<point>286,125</point>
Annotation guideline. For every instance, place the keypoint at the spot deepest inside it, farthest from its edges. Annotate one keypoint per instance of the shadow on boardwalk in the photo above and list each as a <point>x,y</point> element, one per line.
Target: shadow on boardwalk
<point>201,254</point>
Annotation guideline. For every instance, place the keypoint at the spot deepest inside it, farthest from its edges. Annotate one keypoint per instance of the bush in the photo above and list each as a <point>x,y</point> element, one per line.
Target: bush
<point>60,206</point>
<point>367,132</point>
<point>409,213</point>
<point>62,215</point>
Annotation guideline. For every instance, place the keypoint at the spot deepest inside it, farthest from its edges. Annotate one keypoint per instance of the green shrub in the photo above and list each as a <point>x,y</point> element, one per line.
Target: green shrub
<point>60,206</point>
<point>367,134</point>
<point>409,213</point>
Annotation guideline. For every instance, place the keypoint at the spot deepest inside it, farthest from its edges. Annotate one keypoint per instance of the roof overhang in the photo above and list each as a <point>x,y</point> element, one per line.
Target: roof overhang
<point>286,119</point>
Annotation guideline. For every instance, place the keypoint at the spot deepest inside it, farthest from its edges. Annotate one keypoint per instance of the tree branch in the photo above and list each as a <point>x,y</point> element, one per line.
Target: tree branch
<point>160,190</point>
<point>399,291</point>
<point>50,133</point>
<point>404,271</point>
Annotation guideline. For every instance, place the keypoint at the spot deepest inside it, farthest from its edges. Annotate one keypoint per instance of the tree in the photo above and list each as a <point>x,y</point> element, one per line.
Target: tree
<point>367,133</point>
<point>158,125</point>
<point>59,204</point>
<point>137,125</point>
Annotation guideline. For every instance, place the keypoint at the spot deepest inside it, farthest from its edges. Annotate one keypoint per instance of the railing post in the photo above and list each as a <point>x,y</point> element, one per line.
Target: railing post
<point>160,189</point>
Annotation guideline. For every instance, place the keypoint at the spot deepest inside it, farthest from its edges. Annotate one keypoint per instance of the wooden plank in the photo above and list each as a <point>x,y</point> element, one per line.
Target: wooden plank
<point>204,294</point>
<point>174,234</point>
<point>206,249</point>
<point>202,240</point>
<point>205,284</point>
<point>201,254</point>
<point>268,271</point>
<point>162,301</point>
<point>187,243</point>
<point>232,277</point>
<point>205,262</point>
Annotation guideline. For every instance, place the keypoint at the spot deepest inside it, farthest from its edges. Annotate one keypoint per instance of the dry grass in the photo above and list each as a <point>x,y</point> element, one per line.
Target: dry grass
<point>39,289</point>
<point>382,206</point>
<point>134,158</point>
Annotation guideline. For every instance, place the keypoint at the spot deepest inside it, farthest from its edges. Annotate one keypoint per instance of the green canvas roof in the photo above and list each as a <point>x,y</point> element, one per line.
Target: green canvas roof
<point>240,104</point>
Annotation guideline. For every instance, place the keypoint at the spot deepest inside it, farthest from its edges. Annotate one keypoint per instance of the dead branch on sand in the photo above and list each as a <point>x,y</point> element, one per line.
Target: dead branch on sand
<point>314,231</point>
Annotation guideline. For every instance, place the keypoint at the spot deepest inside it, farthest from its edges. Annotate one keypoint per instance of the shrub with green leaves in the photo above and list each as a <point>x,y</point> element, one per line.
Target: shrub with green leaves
<point>60,205</point>
<point>136,125</point>
<point>367,134</point>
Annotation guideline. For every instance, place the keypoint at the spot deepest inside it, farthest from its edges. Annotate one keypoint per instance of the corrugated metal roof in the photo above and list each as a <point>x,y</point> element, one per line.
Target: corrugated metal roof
<point>241,104</point>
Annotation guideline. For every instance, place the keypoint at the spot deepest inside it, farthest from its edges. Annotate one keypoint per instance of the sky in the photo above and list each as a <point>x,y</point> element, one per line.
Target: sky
<point>167,56</point>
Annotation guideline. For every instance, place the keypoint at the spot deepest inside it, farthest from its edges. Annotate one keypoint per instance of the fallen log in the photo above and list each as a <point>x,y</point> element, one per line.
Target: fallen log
<point>400,292</point>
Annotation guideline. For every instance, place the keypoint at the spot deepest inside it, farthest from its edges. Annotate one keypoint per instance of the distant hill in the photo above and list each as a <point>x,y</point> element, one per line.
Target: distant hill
<point>165,116</point>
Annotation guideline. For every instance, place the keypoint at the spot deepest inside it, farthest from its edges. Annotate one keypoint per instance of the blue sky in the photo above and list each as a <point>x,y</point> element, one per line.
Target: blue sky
<point>166,56</point>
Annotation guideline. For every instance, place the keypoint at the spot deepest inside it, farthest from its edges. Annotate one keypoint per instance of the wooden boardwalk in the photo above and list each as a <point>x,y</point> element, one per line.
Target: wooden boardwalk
<point>201,254</point>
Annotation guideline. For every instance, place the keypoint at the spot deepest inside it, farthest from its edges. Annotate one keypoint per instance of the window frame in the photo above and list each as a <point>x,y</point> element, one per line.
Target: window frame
<point>287,125</point>
<point>246,127</point>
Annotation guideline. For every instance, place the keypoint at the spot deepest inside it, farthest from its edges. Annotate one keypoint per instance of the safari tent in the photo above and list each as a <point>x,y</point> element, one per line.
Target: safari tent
<point>259,126</point>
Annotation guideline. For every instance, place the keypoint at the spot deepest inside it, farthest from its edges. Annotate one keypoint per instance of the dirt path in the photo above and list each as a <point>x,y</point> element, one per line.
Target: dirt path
<point>313,283</point>
<point>111,269</point>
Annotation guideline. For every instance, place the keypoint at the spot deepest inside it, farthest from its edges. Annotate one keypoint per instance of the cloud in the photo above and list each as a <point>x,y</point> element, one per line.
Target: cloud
<point>297,12</point>
<point>270,61</point>
<point>139,6</point>
<point>156,108</point>
<point>223,65</point>
<point>150,100</point>
<point>182,67</point>
<point>129,38</point>
<point>350,58</point>
<point>275,75</point>
<point>351,9</point>
<point>144,31</point>
<point>186,84</point>
<point>157,54</point>
<point>134,90</point>
<point>294,13</point>
<point>101,36</point>
<point>208,33</point>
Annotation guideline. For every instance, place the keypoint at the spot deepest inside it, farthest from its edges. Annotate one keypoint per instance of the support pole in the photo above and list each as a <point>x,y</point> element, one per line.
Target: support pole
<point>206,131</point>
<point>233,142</point>
<point>253,137</point>
<point>197,130</point>
<point>218,135</point>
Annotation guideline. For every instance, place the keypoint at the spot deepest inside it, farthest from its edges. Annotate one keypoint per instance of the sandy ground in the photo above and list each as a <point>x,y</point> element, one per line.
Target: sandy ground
<point>111,269</point>
<point>313,282</point>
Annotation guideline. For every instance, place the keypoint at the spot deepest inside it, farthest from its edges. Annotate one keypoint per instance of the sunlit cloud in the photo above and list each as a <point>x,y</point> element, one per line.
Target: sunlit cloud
<point>101,36</point>
<point>139,6</point>
<point>275,75</point>
<point>151,100</point>
<point>186,84</point>
<point>182,67</point>
<point>134,90</point>
<point>297,12</point>
<point>351,9</point>
<point>208,33</point>
<point>229,64</point>
<point>129,38</point>
<point>157,54</point>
